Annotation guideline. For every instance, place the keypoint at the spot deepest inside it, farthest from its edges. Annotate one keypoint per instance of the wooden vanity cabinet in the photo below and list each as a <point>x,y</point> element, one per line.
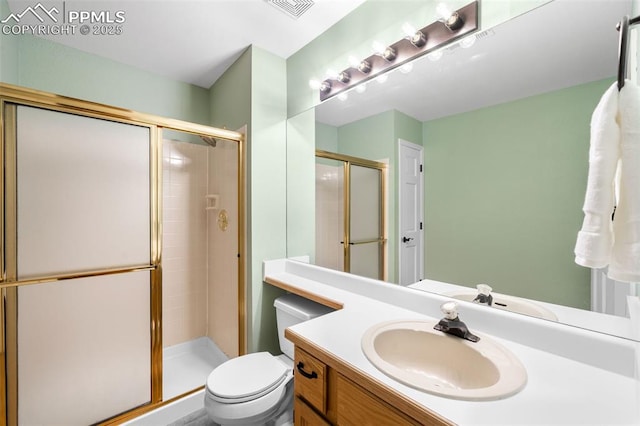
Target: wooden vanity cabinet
<point>327,393</point>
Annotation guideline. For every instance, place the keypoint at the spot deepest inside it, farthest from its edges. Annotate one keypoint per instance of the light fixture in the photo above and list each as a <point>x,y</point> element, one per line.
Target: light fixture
<point>447,28</point>
<point>451,20</point>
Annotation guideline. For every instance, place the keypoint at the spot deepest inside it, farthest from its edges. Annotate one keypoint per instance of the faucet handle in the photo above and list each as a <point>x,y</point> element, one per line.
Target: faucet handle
<point>450,310</point>
<point>484,289</point>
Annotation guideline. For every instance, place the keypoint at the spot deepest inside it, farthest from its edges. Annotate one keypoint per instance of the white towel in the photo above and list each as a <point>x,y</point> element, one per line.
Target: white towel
<point>595,240</point>
<point>625,257</point>
<point>615,145</point>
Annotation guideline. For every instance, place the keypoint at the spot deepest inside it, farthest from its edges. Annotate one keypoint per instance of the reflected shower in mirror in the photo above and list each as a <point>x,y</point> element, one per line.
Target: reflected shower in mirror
<point>504,124</point>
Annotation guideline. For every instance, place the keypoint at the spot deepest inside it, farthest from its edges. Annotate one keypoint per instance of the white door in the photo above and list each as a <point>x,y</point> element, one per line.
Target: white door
<point>411,211</point>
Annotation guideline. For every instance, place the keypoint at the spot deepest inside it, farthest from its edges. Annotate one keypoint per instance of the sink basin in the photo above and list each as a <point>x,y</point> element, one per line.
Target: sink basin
<point>415,354</point>
<point>508,303</point>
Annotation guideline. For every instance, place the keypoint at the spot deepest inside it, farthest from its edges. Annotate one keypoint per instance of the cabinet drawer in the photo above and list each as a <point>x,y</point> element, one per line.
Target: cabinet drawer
<point>310,380</point>
<point>305,416</point>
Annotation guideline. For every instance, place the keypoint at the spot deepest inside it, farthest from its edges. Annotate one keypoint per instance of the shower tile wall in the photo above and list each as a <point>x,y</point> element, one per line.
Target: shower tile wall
<point>184,257</point>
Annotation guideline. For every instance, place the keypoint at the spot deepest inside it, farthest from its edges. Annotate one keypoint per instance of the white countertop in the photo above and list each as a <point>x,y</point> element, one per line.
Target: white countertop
<point>559,391</point>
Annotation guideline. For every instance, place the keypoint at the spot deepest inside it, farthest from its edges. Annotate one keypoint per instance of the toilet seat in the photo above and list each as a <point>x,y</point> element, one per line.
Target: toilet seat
<point>246,378</point>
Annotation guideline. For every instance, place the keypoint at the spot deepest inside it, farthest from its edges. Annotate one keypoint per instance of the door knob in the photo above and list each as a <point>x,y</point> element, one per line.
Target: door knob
<point>406,240</point>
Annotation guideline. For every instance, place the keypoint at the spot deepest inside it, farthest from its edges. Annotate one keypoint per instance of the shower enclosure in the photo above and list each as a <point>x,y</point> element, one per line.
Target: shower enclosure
<point>350,214</point>
<point>95,311</point>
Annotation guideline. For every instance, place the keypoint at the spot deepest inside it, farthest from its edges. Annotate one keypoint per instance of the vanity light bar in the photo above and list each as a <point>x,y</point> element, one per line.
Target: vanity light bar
<point>427,39</point>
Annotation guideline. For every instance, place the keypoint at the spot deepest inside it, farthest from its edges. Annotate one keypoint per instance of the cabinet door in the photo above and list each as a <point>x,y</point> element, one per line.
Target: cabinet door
<point>305,416</point>
<point>358,407</point>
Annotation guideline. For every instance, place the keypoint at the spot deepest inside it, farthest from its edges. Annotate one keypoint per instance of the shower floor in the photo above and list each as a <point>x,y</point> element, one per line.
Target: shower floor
<point>187,365</point>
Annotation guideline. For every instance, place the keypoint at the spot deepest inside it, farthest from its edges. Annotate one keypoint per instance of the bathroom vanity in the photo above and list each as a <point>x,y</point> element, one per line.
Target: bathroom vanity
<point>328,391</point>
<point>574,376</point>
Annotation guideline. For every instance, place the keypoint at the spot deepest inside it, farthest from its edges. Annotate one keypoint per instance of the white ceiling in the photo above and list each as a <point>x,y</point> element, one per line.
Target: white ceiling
<point>560,44</point>
<point>196,41</point>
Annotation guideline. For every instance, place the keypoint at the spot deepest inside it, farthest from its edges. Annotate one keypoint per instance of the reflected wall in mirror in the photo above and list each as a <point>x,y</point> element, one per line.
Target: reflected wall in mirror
<point>505,130</point>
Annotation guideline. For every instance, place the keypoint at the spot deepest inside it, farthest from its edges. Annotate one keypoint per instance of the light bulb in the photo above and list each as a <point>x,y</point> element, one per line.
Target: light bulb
<point>406,68</point>
<point>451,19</point>
<point>435,56</point>
<point>378,47</point>
<point>353,61</point>
<point>467,42</point>
<point>408,29</point>
<point>382,78</point>
<point>331,74</point>
<point>314,84</point>
<point>443,11</point>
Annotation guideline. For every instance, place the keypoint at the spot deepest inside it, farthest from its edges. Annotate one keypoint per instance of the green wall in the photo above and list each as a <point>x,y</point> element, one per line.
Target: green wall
<point>504,188</point>
<point>302,148</point>
<point>52,67</point>
<point>326,137</point>
<point>8,51</point>
<point>258,99</point>
<point>267,186</point>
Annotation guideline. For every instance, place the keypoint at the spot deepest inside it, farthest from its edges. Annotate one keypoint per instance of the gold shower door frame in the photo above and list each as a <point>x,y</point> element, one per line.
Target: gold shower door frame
<point>347,162</point>
<point>12,96</point>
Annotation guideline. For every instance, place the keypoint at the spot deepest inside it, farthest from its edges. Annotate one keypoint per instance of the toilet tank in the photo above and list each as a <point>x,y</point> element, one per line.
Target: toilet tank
<point>292,309</point>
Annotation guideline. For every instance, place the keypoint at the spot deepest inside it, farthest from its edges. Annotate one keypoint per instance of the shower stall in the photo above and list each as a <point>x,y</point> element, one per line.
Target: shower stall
<point>122,258</point>
<point>200,198</point>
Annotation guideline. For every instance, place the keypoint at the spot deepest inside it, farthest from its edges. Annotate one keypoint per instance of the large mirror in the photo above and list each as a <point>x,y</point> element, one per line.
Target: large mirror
<point>503,130</point>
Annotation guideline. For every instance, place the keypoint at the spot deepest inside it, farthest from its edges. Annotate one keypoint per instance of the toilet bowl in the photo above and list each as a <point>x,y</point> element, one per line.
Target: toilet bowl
<point>257,389</point>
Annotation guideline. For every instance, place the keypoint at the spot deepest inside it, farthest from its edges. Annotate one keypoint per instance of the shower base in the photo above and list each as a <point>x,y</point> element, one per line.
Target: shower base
<point>187,365</point>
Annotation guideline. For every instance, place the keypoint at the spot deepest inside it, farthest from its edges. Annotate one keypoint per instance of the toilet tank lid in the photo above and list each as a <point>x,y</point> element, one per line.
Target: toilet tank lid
<point>299,307</point>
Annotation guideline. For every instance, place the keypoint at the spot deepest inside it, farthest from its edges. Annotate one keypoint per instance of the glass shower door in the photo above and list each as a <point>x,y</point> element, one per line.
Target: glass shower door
<point>350,224</point>
<point>78,314</point>
<point>330,213</point>
<point>366,237</point>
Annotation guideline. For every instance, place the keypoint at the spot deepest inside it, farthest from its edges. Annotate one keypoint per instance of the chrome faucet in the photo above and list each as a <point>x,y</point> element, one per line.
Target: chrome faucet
<point>484,296</point>
<point>451,323</point>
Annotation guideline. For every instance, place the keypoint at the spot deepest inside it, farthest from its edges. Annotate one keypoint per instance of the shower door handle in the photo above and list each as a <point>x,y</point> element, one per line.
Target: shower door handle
<point>406,240</point>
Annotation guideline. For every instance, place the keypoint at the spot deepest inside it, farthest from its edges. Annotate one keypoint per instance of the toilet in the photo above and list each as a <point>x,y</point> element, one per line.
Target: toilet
<point>257,389</point>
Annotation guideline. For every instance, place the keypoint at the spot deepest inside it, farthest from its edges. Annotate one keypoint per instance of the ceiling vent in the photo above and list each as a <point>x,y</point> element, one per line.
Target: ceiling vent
<point>293,8</point>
